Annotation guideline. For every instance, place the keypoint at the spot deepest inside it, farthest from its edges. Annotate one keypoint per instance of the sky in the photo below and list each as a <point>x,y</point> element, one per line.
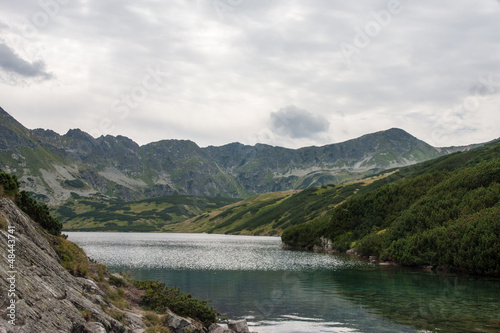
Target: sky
<point>280,72</point>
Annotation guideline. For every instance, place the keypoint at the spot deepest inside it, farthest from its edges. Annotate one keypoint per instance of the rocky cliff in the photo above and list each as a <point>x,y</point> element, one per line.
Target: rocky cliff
<point>43,296</point>
<point>54,166</point>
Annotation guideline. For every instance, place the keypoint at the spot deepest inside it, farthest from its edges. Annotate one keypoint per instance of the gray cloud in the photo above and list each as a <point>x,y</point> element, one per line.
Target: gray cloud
<point>295,123</point>
<point>11,62</point>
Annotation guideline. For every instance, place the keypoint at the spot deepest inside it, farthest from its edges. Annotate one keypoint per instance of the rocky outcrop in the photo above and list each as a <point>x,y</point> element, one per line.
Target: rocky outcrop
<point>38,295</point>
<point>46,297</point>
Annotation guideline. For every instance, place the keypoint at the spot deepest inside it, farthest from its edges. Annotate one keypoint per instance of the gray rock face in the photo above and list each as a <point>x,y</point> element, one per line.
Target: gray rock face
<point>47,298</point>
<point>238,326</point>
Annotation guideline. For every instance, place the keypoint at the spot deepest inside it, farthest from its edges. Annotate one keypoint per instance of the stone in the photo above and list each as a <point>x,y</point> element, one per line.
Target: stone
<point>96,327</point>
<point>214,328</point>
<point>178,324</point>
<point>351,251</point>
<point>239,326</point>
<point>133,320</point>
<point>89,286</point>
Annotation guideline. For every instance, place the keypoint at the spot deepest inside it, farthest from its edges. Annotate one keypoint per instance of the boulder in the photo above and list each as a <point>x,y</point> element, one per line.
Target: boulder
<point>239,326</point>
<point>178,324</point>
<point>134,321</point>
<point>214,328</point>
<point>89,286</point>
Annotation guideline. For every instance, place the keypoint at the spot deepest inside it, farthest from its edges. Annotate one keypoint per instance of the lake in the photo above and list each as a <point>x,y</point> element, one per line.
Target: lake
<point>279,290</point>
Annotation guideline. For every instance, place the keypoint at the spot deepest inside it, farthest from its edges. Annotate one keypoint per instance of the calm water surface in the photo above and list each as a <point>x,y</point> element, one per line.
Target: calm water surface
<point>293,291</point>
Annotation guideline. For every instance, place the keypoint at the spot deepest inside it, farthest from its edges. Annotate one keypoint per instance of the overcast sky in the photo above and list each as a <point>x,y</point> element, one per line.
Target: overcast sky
<point>286,73</point>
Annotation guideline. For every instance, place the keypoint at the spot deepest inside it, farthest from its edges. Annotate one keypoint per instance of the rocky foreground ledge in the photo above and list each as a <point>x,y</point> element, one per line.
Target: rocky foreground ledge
<point>37,294</point>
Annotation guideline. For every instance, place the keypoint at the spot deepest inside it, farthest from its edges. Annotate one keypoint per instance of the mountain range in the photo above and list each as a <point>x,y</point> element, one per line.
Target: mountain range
<point>54,166</point>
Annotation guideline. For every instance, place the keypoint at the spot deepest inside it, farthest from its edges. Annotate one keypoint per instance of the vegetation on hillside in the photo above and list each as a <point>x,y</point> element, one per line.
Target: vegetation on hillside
<point>271,213</point>
<point>444,212</point>
<point>9,187</point>
<point>159,298</point>
<point>100,213</point>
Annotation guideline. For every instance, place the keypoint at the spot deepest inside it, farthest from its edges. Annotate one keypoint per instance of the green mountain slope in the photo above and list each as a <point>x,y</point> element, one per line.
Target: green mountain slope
<point>444,212</point>
<point>98,213</point>
<point>271,213</point>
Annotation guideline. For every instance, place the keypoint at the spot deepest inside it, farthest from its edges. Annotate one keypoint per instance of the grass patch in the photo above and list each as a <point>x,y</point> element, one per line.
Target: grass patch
<point>72,257</point>
<point>118,298</point>
<point>151,318</point>
<point>157,329</point>
<point>86,315</point>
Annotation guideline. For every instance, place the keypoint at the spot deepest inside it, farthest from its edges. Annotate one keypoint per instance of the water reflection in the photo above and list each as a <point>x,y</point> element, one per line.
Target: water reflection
<point>429,301</point>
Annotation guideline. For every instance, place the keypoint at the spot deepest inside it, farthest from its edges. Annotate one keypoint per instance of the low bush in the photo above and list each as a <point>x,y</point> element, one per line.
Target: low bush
<point>159,297</point>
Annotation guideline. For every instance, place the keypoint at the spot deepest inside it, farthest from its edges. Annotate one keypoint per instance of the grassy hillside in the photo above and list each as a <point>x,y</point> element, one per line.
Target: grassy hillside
<point>271,213</point>
<point>444,212</point>
<point>99,213</point>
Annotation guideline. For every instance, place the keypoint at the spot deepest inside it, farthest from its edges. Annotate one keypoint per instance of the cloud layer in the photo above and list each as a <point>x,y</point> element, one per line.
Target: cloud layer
<point>227,70</point>
<point>11,62</point>
<point>296,123</point>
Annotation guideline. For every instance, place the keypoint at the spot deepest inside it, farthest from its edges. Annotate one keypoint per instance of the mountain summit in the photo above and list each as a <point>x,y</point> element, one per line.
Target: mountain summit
<point>55,166</point>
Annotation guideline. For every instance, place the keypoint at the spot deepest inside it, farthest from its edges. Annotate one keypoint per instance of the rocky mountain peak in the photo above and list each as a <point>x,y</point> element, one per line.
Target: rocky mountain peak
<point>119,167</point>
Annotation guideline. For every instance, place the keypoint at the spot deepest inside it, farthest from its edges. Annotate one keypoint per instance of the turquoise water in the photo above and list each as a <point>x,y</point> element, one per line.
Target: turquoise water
<point>280,290</point>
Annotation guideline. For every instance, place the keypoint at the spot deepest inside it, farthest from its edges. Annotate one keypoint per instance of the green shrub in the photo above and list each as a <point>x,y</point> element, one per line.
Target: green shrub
<point>116,281</point>
<point>39,213</point>
<point>76,183</point>
<point>158,298</point>
<point>9,185</point>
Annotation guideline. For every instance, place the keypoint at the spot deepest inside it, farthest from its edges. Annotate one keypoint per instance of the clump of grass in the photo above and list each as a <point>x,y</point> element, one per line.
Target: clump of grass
<point>117,298</point>
<point>157,329</point>
<point>100,269</point>
<point>116,314</point>
<point>86,314</point>
<point>151,319</point>
<point>72,257</point>
<point>3,223</point>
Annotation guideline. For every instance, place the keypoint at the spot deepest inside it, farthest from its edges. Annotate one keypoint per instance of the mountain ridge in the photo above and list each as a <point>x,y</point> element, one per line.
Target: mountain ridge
<point>54,166</point>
